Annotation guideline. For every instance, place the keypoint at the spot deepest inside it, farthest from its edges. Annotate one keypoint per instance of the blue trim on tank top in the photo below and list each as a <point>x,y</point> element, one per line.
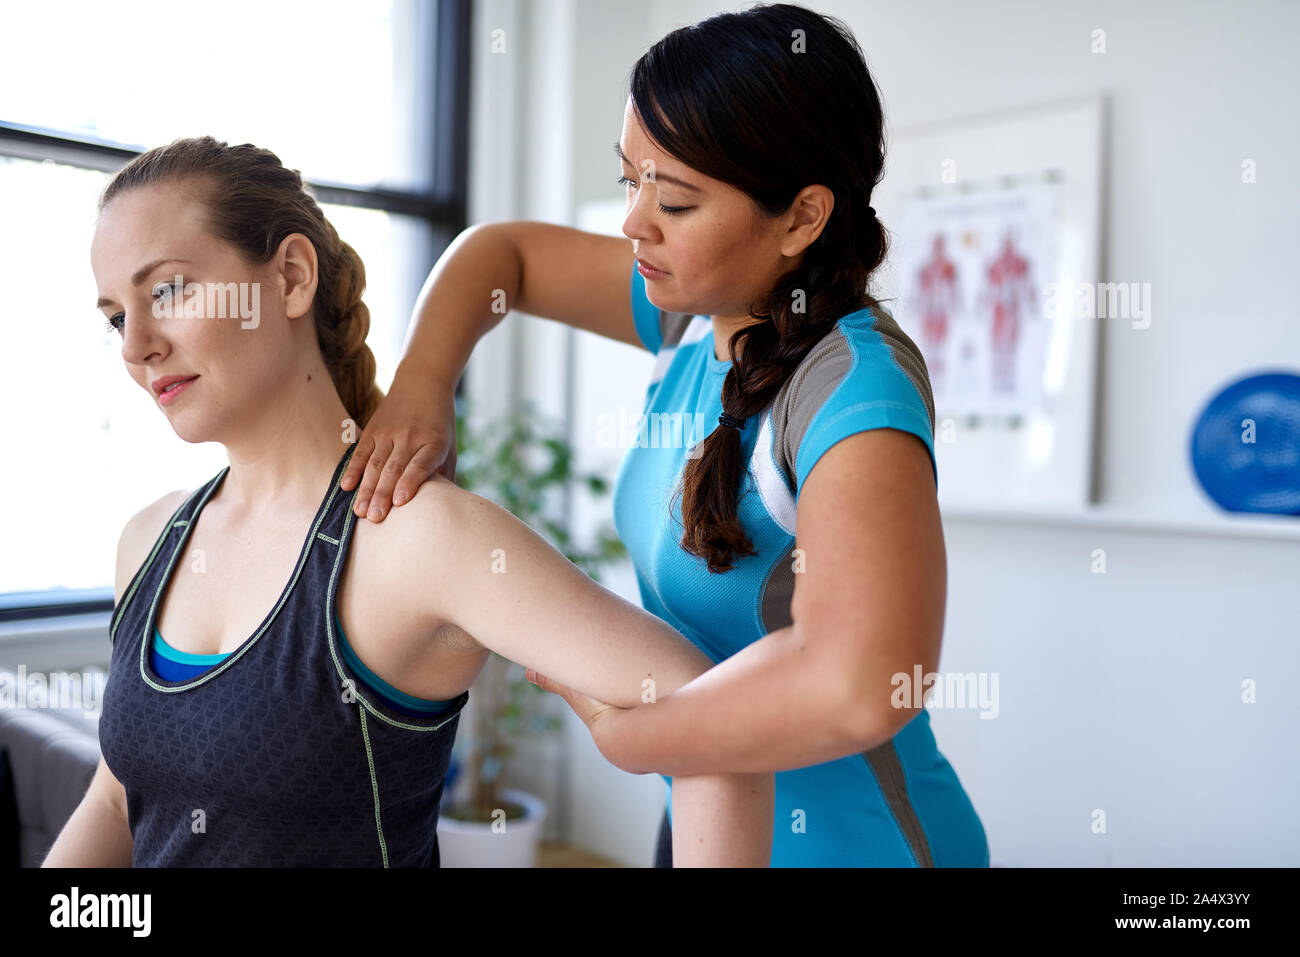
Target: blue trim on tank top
<point>172,664</point>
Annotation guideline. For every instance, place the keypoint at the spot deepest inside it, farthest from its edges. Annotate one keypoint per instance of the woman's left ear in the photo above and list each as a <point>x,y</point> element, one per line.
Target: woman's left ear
<point>297,268</point>
<point>812,210</point>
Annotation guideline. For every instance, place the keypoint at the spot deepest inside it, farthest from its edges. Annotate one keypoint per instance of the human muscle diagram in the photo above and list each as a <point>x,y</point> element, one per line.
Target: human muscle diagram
<point>972,265</point>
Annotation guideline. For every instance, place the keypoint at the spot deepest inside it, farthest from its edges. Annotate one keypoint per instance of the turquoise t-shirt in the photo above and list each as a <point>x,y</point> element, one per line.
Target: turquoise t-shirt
<point>900,804</point>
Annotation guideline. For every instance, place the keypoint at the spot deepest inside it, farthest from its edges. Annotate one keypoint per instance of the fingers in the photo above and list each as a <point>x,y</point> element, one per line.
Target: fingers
<point>370,477</point>
<point>418,471</point>
<point>382,498</point>
<point>543,682</point>
<point>357,464</point>
<point>448,467</point>
<point>395,472</point>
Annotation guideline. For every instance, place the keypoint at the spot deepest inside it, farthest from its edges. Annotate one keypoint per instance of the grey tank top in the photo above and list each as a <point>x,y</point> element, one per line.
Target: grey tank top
<point>279,756</point>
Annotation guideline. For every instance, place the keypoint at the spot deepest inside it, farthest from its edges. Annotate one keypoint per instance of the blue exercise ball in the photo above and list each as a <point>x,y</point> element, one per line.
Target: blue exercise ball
<point>1245,446</point>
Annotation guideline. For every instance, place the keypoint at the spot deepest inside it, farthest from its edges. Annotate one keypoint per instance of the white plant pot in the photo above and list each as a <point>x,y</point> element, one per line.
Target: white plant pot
<point>476,844</point>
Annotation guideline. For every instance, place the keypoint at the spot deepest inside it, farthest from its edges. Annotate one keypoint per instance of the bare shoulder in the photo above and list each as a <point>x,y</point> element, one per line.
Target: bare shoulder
<point>404,565</point>
<point>139,535</point>
<point>442,514</point>
<point>432,515</point>
<point>427,540</point>
<point>428,561</point>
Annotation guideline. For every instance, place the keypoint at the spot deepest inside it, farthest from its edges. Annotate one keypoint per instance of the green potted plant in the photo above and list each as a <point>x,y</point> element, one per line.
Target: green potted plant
<point>524,464</point>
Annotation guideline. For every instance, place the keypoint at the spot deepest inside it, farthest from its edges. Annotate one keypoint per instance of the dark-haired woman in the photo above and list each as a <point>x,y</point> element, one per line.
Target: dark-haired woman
<point>797,540</point>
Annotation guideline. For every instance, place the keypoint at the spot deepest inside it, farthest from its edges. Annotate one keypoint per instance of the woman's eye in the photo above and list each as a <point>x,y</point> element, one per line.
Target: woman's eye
<point>163,289</point>
<point>670,210</point>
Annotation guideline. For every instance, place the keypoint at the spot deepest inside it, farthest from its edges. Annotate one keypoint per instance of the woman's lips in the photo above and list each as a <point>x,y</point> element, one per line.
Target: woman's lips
<point>169,395</point>
<point>649,272</point>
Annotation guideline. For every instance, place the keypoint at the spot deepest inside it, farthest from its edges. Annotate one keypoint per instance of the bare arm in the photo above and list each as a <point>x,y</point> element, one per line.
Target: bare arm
<point>868,612</point>
<point>98,833</point>
<point>495,578</point>
<point>566,275</point>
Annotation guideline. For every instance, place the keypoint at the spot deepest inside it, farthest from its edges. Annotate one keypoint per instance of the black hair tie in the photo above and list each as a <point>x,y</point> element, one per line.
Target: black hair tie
<point>731,421</point>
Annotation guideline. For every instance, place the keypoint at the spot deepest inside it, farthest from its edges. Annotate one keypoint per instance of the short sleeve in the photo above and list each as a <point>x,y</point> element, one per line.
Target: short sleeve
<point>645,314</point>
<point>857,381</point>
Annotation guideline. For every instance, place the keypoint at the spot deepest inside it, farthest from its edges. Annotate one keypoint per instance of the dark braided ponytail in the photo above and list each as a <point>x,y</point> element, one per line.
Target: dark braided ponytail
<point>769,100</point>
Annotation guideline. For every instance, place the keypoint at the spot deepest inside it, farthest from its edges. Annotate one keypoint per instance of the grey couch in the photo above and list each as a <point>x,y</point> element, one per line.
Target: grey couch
<point>51,755</point>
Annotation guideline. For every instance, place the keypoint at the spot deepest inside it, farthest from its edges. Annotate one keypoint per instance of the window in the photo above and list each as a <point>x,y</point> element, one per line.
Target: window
<point>369,101</point>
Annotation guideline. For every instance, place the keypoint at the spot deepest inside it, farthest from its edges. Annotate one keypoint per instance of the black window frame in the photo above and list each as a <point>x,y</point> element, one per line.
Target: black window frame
<point>444,207</point>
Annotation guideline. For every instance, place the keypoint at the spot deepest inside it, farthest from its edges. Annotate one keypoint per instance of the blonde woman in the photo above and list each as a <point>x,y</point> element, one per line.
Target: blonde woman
<point>286,682</point>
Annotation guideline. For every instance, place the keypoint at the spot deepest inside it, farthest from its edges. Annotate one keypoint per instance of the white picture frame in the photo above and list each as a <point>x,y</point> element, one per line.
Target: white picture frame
<point>1039,172</point>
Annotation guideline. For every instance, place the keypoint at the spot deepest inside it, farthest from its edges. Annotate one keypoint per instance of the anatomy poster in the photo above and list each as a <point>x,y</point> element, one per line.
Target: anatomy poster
<point>995,224</point>
<point>971,266</point>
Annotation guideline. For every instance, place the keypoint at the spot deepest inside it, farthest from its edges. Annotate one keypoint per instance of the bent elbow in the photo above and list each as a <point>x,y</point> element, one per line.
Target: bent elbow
<point>872,716</point>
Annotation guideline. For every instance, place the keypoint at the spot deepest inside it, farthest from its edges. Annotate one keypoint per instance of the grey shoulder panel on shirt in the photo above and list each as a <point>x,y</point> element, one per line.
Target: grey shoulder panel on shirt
<point>671,327</point>
<point>907,355</point>
<point>778,594</point>
<point>820,373</point>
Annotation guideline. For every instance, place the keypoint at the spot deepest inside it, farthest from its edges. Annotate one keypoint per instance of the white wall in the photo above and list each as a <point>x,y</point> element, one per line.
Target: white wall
<point>536,112</point>
<point>1120,691</point>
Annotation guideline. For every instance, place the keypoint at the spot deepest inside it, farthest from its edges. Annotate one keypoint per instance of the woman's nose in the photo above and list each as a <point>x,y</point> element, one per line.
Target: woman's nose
<point>638,224</point>
<point>139,337</point>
